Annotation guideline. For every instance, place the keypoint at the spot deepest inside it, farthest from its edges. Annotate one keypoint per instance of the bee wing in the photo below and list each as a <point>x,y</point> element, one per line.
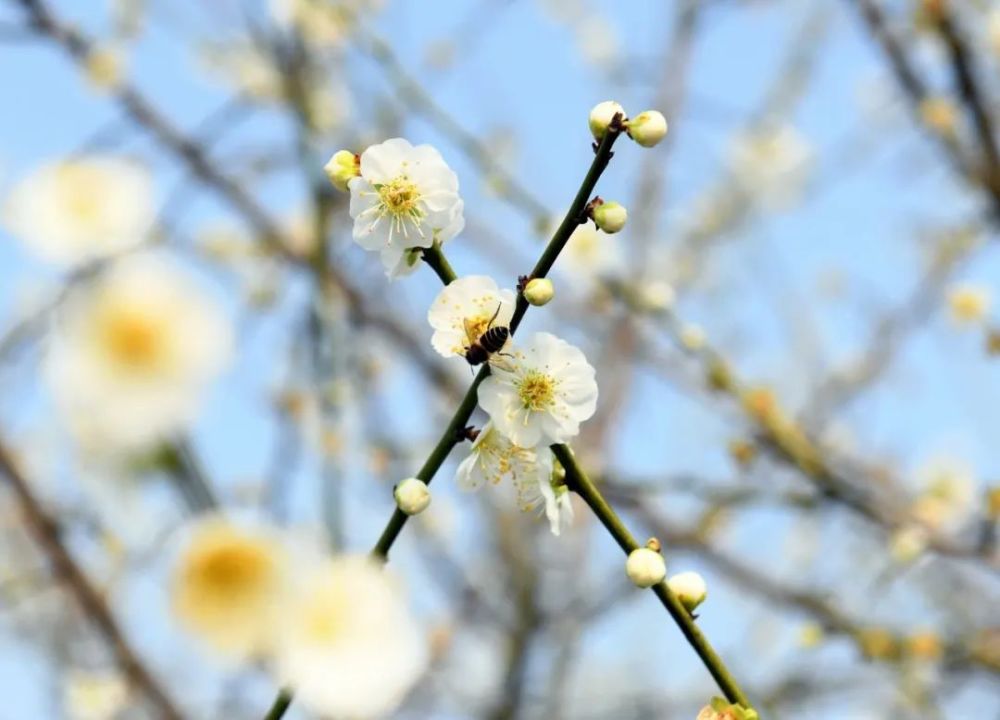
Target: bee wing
<point>470,330</point>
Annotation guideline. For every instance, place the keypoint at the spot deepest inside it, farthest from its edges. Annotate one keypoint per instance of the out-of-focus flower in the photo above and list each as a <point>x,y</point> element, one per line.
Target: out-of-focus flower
<point>692,337</point>
<point>948,494</point>
<point>993,30</point>
<point>105,68</point>
<point>464,309</point>
<point>229,586</point>
<point>129,358</point>
<point>969,303</point>
<point>74,211</point>
<point>493,457</point>
<point>596,37</point>
<point>939,114</point>
<point>590,255</point>
<point>542,394</point>
<point>246,68</point>
<point>406,197</point>
<point>348,645</point>
<point>324,23</point>
<point>655,295</point>
<point>90,695</point>
<point>810,635</point>
<point>908,543</point>
<point>924,645</point>
<point>689,588</point>
<point>772,164</point>
<point>877,643</point>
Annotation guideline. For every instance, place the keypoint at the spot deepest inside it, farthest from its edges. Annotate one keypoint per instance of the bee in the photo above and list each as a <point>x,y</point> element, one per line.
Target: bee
<point>489,343</point>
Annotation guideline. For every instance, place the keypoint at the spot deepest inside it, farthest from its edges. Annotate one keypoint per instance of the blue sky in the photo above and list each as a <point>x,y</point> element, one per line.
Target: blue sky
<point>523,74</point>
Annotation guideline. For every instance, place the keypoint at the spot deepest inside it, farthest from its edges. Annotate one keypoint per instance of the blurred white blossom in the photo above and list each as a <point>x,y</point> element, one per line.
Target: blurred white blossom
<point>348,645</point>
<point>772,164</point>
<point>73,211</point>
<point>130,355</point>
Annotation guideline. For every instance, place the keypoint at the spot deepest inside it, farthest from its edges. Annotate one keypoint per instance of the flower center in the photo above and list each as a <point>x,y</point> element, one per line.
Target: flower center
<point>398,200</point>
<point>326,621</point>
<point>81,193</point>
<point>133,339</point>
<point>233,568</point>
<point>537,390</point>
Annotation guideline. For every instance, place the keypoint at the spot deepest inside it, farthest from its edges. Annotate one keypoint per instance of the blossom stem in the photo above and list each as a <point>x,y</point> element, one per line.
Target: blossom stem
<point>439,263</point>
<point>578,481</point>
<point>449,438</point>
<point>575,216</point>
<point>280,705</point>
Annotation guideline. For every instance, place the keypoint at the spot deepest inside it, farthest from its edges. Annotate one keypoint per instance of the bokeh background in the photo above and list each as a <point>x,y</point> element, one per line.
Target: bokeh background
<point>793,337</point>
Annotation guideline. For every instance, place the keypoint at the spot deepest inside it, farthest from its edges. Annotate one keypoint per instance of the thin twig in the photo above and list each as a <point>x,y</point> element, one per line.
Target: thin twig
<point>47,534</point>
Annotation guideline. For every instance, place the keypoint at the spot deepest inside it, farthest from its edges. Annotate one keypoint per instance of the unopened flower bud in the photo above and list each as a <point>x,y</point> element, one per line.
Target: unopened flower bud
<point>689,588</point>
<point>721,709</point>
<point>645,567</point>
<point>602,115</point>
<point>412,496</point>
<point>342,168</point>
<point>539,291</point>
<point>610,216</point>
<point>648,128</point>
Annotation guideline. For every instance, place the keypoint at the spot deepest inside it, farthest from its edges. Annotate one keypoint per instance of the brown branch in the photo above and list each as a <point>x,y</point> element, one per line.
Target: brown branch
<point>46,532</point>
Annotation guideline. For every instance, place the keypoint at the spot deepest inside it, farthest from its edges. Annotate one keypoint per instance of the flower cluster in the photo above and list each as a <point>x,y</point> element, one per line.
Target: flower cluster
<point>405,202</point>
<point>334,629</point>
<point>536,394</point>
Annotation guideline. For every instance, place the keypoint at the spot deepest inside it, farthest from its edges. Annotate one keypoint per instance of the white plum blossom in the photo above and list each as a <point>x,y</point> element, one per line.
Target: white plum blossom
<point>462,312</point>
<point>349,646</point>
<point>554,496</point>
<point>406,197</point>
<point>493,457</point>
<point>129,358</point>
<point>75,211</point>
<point>542,394</point>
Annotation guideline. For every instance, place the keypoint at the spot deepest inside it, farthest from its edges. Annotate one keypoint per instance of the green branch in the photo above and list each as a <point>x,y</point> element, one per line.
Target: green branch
<point>439,263</point>
<point>578,481</point>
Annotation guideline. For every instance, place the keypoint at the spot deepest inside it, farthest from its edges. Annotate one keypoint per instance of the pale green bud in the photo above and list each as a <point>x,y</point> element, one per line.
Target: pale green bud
<point>601,117</point>
<point>610,216</point>
<point>645,567</point>
<point>539,291</point>
<point>721,709</point>
<point>647,128</point>
<point>689,588</point>
<point>342,168</point>
<point>412,496</point>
